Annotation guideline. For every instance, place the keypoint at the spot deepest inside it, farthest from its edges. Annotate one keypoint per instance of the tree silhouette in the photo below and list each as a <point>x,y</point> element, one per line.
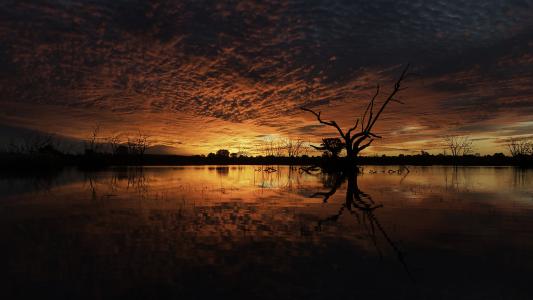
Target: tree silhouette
<point>354,143</point>
<point>360,205</point>
<point>114,144</point>
<point>37,143</point>
<point>458,145</point>
<point>138,144</point>
<point>222,153</point>
<point>519,147</point>
<point>92,144</point>
<point>294,147</point>
<point>332,147</point>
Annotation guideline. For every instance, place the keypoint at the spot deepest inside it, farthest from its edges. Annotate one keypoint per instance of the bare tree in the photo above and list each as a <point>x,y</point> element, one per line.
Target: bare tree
<point>294,148</point>
<point>354,143</point>
<point>268,146</point>
<point>520,147</point>
<point>114,143</point>
<point>258,148</point>
<point>92,144</point>
<point>458,145</point>
<point>138,144</point>
<point>272,147</point>
<point>279,148</point>
<point>306,148</point>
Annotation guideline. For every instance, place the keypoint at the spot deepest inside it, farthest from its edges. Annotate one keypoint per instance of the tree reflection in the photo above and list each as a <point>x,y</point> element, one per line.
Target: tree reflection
<point>120,180</point>
<point>361,206</point>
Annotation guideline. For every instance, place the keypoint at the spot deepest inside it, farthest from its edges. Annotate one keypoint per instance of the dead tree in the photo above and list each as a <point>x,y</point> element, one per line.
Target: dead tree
<point>114,143</point>
<point>293,147</point>
<point>458,145</point>
<point>268,147</point>
<point>360,135</point>
<point>279,148</point>
<point>92,144</point>
<point>520,147</point>
<point>138,145</point>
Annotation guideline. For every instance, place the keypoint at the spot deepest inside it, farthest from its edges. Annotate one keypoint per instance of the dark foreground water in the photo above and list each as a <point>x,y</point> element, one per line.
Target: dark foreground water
<point>240,232</point>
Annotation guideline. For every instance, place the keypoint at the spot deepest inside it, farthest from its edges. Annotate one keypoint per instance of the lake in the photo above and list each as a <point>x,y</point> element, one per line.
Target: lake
<point>275,232</point>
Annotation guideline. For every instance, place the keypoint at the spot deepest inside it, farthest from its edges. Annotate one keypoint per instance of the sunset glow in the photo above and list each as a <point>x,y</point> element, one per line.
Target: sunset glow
<point>276,149</point>
<point>197,77</point>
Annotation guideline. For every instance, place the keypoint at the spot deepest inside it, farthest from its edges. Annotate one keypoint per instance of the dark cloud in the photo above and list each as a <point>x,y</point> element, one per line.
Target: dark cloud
<point>258,61</point>
<point>308,128</point>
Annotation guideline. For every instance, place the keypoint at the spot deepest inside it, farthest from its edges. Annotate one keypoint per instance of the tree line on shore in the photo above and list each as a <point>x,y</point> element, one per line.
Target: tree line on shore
<point>47,151</point>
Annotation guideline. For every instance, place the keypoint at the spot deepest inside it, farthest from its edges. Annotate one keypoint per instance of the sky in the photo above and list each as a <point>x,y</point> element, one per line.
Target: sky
<point>196,76</point>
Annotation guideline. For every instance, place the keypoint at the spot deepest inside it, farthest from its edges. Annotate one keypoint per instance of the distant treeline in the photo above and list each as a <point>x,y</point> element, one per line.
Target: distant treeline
<point>57,160</point>
<point>43,153</point>
<point>46,152</point>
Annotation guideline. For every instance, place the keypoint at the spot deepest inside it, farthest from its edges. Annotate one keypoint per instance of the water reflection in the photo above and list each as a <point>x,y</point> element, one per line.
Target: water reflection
<point>269,232</point>
<point>361,206</point>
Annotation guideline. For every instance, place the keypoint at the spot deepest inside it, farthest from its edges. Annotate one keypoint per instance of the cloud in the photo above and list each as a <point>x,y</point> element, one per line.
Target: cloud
<point>191,66</point>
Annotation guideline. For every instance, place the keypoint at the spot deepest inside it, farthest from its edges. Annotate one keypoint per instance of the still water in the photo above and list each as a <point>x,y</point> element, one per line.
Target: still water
<point>243,232</point>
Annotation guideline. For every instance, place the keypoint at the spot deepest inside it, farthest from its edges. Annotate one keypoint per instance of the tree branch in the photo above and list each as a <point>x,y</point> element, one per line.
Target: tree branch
<point>353,128</point>
<point>369,108</point>
<point>397,87</point>
<point>365,145</point>
<point>329,123</point>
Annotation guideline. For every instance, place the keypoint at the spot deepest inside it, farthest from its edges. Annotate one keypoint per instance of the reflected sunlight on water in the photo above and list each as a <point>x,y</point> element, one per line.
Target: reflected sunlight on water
<point>236,231</point>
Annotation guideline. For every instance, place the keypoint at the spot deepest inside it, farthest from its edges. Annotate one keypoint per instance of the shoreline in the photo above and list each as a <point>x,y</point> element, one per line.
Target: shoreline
<point>43,162</point>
